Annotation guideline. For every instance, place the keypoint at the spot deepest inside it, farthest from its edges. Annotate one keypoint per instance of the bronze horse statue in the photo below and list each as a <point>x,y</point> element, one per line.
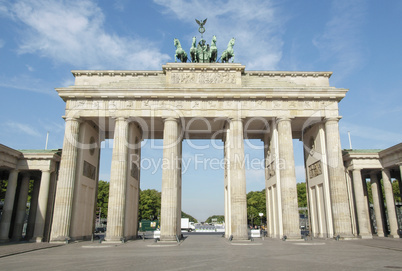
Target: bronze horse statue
<point>213,54</point>
<point>180,53</point>
<point>228,53</point>
<point>193,51</point>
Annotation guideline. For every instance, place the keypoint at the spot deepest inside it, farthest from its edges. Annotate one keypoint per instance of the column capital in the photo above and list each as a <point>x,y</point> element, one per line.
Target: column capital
<point>73,119</point>
<point>120,118</point>
<point>385,170</point>
<point>283,118</point>
<point>235,119</point>
<point>328,119</point>
<point>171,119</point>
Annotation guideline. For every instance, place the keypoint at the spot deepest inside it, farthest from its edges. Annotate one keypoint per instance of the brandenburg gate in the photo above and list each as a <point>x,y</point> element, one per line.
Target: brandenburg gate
<point>201,101</point>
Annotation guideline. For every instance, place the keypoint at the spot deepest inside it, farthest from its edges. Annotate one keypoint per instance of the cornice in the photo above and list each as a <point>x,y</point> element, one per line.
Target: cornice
<point>288,74</point>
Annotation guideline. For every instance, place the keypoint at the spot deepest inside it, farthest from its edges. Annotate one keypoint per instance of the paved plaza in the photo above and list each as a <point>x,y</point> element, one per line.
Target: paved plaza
<point>209,252</point>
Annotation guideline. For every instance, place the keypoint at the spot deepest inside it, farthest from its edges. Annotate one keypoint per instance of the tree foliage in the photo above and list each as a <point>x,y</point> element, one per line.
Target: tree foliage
<point>256,204</point>
<point>192,219</point>
<point>219,219</point>
<point>149,205</point>
<point>301,195</point>
<point>103,198</point>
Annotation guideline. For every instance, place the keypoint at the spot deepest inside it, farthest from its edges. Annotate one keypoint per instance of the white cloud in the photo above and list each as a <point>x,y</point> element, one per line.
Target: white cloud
<point>30,68</point>
<point>2,43</point>
<point>24,128</point>
<point>24,82</point>
<point>256,25</point>
<point>340,40</point>
<point>73,32</point>
<point>382,138</point>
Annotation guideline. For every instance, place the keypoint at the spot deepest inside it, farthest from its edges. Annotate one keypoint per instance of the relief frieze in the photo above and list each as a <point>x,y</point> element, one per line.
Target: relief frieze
<point>203,78</point>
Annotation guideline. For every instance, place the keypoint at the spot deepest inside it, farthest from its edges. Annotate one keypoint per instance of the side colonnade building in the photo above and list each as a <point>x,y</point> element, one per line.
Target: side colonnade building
<point>19,168</point>
<point>380,167</point>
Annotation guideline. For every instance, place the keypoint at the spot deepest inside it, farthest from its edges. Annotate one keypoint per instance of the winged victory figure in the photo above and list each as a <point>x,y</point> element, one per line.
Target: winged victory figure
<point>201,24</point>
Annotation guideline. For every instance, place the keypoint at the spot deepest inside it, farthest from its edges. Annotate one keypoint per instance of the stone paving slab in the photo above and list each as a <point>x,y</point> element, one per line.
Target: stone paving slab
<point>8,249</point>
<point>212,252</point>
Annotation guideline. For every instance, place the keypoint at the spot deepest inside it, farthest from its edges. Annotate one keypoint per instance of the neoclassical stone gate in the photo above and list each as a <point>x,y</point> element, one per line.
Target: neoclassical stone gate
<point>201,101</point>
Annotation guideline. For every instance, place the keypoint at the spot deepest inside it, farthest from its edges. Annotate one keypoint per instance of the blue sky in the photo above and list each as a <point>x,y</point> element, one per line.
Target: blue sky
<point>42,40</point>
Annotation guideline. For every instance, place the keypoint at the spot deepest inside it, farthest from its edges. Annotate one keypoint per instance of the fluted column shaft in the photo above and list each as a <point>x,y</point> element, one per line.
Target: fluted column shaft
<point>290,212</point>
<point>118,182</point>
<point>42,206</point>
<point>377,203</point>
<point>389,197</point>
<point>8,205</point>
<point>32,210</point>
<point>361,205</point>
<point>170,225</point>
<point>237,173</point>
<point>337,180</point>
<point>21,208</point>
<point>65,186</point>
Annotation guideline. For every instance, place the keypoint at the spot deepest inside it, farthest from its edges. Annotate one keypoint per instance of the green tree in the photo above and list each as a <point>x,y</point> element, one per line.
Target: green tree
<point>301,195</point>
<point>192,219</point>
<point>219,219</point>
<point>396,191</point>
<point>149,205</point>
<point>255,205</point>
<point>103,197</point>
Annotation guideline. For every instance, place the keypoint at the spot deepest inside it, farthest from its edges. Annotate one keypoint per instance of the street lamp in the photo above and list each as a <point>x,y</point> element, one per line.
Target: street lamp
<point>261,214</point>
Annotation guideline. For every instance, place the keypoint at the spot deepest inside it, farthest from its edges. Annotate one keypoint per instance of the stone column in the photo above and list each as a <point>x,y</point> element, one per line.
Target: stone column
<point>337,180</point>
<point>8,206</point>
<point>400,180</point>
<point>228,213</point>
<point>237,171</point>
<point>65,186</point>
<point>118,183</point>
<point>32,210</point>
<point>389,197</point>
<point>42,207</point>
<point>170,181</point>
<point>378,204</point>
<point>21,208</point>
<point>361,205</point>
<point>290,211</point>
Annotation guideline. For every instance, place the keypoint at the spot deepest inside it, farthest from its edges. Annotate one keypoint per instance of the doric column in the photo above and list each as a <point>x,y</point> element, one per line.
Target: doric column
<point>377,203</point>
<point>237,171</point>
<point>389,197</point>
<point>118,182</point>
<point>170,181</point>
<point>42,206</point>
<point>400,180</point>
<point>337,180</point>
<point>32,210</point>
<point>8,206</point>
<point>227,184</point>
<point>65,186</point>
<point>290,212</point>
<point>361,205</point>
<point>21,208</point>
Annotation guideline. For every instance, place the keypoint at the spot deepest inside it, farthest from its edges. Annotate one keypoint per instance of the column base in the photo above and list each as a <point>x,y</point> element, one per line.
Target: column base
<point>380,235</point>
<point>396,236</point>
<point>366,236</point>
<point>61,239</point>
<point>4,240</point>
<point>114,240</point>
<point>37,239</point>
<point>169,238</point>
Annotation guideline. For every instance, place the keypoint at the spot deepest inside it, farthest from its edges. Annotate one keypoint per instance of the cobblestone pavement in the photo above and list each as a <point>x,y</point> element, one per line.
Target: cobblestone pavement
<point>210,252</point>
<point>8,249</point>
